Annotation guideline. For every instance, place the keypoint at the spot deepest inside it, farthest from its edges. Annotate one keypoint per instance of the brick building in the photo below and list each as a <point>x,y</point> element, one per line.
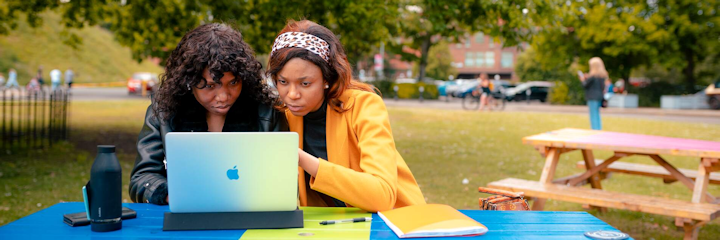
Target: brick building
<point>480,54</point>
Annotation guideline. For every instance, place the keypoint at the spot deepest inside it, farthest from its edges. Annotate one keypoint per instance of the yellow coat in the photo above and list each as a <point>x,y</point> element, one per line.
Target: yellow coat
<point>365,170</point>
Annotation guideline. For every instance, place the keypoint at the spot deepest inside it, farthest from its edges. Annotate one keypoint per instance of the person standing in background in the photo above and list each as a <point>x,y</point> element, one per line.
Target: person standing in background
<point>39,76</point>
<point>69,75</point>
<point>55,79</point>
<point>12,79</point>
<point>2,80</point>
<point>594,84</point>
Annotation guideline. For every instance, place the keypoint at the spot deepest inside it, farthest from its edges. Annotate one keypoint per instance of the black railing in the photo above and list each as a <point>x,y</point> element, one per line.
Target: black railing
<point>32,119</point>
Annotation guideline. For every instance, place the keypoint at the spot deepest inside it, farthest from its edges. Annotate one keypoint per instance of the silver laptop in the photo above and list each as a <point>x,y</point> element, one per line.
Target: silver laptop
<point>232,172</point>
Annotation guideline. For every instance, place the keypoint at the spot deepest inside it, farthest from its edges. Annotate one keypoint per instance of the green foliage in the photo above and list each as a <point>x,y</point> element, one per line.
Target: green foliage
<point>626,34</point>
<point>97,59</point>
<point>385,87</point>
<point>567,93</point>
<point>424,23</point>
<point>567,90</point>
<point>649,96</point>
<point>151,28</point>
<point>412,90</point>
<point>439,64</point>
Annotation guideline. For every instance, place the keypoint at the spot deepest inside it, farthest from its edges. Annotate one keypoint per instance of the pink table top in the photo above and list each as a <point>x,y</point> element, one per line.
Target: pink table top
<point>624,142</point>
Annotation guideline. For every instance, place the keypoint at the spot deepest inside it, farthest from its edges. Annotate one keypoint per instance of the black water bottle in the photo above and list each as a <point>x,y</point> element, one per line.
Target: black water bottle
<point>105,191</point>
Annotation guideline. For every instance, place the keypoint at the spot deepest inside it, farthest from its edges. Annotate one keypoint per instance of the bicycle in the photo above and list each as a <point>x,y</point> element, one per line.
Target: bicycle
<point>496,102</point>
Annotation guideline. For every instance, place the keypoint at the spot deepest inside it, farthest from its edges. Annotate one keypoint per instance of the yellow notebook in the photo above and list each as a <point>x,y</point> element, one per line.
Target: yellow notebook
<point>430,220</point>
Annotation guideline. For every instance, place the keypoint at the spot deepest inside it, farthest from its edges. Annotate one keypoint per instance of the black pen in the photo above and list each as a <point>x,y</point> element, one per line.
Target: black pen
<point>361,219</point>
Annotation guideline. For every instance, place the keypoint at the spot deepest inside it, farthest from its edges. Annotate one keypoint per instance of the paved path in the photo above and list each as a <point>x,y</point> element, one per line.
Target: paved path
<point>697,116</point>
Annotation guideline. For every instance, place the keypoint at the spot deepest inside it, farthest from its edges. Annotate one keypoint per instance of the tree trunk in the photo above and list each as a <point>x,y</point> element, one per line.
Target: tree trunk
<point>689,71</point>
<point>424,51</point>
<point>626,76</point>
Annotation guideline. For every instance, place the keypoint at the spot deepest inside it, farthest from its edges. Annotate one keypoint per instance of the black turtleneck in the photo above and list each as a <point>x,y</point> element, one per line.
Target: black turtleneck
<point>315,143</point>
<point>242,117</point>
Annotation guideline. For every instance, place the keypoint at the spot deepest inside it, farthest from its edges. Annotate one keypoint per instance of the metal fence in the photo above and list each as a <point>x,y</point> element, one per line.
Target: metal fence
<point>32,119</point>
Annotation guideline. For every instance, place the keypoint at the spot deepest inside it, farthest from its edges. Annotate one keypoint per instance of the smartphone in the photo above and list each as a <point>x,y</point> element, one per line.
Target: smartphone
<point>581,75</point>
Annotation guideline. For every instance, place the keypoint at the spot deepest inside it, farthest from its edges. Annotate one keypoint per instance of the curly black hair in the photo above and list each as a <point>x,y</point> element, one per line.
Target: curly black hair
<point>215,46</point>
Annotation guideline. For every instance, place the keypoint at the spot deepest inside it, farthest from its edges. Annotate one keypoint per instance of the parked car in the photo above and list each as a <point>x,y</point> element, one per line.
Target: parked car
<point>535,90</point>
<point>453,86</point>
<point>442,88</point>
<point>134,83</point>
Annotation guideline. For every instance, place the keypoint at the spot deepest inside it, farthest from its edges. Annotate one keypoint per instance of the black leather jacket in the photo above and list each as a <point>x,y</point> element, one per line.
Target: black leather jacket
<point>148,180</point>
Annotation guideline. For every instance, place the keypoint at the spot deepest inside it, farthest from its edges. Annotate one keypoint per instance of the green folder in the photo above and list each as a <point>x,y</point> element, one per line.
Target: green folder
<point>313,230</point>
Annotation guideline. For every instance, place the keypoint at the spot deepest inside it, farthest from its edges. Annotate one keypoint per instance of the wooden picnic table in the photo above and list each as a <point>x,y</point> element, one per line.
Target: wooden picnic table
<point>691,215</point>
<point>47,224</point>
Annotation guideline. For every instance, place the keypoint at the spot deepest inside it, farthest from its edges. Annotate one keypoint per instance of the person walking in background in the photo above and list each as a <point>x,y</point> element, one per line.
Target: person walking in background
<point>12,79</point>
<point>55,79</point>
<point>69,75</point>
<point>594,84</point>
<point>484,90</point>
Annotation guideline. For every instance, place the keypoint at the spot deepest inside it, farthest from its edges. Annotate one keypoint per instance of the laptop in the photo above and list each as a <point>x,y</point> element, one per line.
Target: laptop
<point>232,172</point>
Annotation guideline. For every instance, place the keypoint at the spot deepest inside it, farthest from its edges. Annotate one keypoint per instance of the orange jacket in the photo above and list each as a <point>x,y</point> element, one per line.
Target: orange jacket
<point>364,170</point>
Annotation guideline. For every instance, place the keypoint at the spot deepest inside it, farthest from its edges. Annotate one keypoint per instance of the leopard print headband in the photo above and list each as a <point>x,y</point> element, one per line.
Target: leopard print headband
<point>302,40</point>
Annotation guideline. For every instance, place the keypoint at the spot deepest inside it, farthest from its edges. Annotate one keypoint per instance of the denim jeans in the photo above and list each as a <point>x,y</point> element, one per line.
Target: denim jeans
<point>594,106</point>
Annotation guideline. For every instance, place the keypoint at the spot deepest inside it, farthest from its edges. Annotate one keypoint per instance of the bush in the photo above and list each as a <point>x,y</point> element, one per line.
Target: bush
<point>385,87</point>
<point>649,96</point>
<point>568,91</point>
<point>412,90</point>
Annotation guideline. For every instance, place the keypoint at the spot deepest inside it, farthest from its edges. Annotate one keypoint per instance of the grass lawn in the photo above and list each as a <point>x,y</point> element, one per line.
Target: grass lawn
<point>442,147</point>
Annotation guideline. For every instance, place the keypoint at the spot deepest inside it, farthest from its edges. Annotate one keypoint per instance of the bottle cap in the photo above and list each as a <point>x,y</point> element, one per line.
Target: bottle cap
<point>106,148</point>
<point>606,235</point>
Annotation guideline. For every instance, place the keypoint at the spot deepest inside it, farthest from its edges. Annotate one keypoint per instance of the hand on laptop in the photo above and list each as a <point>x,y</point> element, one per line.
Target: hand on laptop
<point>308,162</point>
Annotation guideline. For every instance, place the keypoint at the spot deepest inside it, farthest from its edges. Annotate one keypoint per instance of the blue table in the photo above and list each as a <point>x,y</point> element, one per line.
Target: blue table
<point>47,224</point>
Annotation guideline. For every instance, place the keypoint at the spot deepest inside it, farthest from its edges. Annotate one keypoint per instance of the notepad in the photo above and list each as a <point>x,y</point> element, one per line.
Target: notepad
<point>430,220</point>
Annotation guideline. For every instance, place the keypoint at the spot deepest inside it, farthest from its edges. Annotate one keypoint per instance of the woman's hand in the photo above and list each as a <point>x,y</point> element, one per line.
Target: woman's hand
<point>308,162</point>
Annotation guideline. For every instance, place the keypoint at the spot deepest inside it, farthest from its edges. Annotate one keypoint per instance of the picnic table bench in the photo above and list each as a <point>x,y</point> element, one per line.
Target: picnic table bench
<point>691,215</point>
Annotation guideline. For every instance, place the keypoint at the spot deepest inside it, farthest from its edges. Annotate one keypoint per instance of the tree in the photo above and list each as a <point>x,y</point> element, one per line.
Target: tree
<point>439,65</point>
<point>567,89</point>
<point>427,22</point>
<point>693,28</point>
<point>626,34</point>
<point>151,28</point>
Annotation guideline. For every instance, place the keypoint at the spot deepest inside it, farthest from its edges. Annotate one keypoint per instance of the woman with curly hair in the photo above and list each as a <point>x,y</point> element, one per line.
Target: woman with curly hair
<point>347,154</point>
<point>212,83</point>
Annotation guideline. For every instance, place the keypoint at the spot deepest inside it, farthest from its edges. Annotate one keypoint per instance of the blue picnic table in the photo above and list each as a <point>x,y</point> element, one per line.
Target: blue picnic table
<point>48,224</point>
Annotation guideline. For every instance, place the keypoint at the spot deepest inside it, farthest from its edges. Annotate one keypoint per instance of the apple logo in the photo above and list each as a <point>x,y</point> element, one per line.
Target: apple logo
<point>232,174</point>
